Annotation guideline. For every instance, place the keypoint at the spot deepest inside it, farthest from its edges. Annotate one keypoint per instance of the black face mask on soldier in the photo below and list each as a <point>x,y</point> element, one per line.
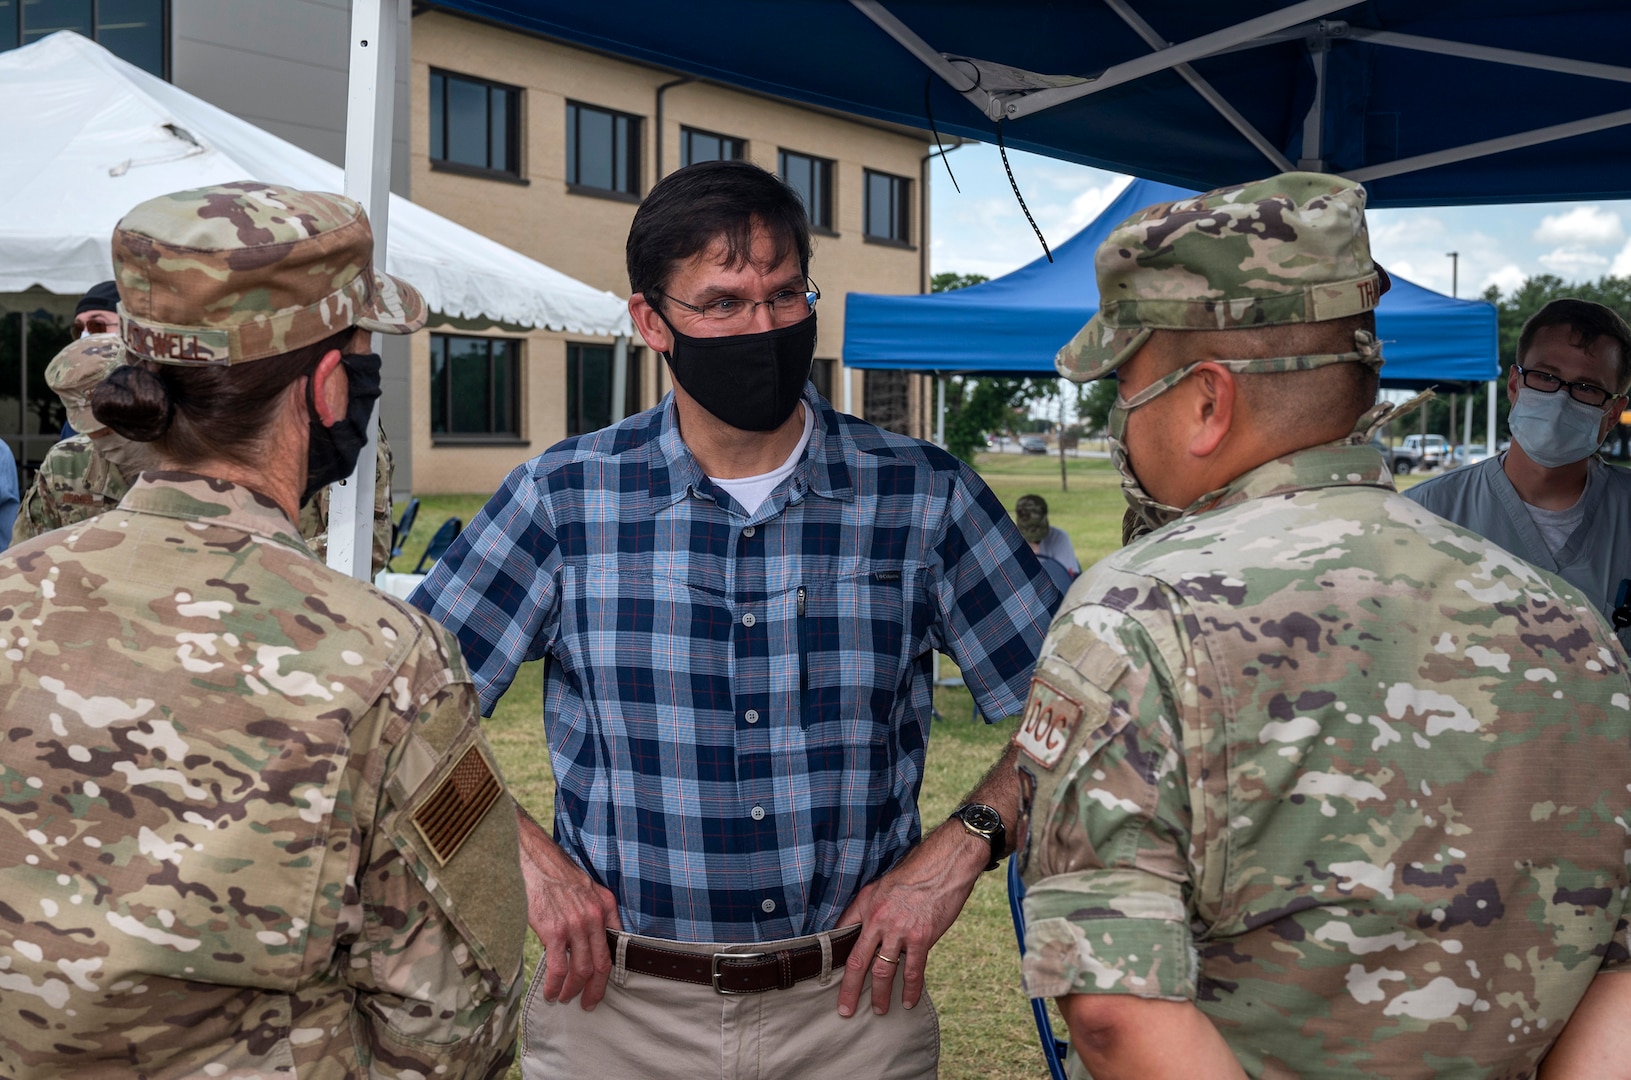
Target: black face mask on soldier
<point>331,453</point>
<point>749,381</point>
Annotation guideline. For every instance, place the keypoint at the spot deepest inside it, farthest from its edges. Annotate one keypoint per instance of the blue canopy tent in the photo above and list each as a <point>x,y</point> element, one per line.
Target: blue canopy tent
<point>1424,101</point>
<point>1015,324</point>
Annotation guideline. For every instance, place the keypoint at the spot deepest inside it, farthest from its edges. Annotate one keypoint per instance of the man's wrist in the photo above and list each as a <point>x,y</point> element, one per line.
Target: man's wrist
<point>984,823</point>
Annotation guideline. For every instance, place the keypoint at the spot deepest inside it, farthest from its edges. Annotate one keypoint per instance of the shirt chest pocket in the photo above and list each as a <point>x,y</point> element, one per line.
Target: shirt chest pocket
<point>857,636</point>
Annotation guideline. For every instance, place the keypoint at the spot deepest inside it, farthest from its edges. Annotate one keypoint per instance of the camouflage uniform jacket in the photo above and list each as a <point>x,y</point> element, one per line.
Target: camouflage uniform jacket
<point>1348,777</point>
<point>251,826</point>
<point>75,482</point>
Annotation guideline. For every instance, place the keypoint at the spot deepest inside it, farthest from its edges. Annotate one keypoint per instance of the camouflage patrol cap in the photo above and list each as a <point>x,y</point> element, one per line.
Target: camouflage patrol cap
<point>75,371</point>
<point>246,270</point>
<point>1031,515</point>
<point>1289,249</point>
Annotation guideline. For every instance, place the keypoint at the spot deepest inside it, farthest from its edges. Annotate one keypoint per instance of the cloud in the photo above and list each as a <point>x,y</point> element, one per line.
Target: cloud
<point>1582,226</point>
<point>1507,280</point>
<point>1574,263</point>
<point>1415,245</point>
<point>1622,262</point>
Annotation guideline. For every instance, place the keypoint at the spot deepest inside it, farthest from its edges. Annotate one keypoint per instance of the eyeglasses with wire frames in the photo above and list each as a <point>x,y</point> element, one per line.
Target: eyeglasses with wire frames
<point>787,306</point>
<point>1584,392</point>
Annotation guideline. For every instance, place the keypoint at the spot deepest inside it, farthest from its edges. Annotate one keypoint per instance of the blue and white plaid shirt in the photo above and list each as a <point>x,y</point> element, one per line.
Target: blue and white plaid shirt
<point>737,706</point>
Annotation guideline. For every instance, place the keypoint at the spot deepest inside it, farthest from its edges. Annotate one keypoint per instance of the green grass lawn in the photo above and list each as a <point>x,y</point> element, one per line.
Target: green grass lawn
<point>985,1021</point>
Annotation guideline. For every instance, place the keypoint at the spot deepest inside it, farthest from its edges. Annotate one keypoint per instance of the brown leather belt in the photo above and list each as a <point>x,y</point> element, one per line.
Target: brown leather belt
<point>734,973</point>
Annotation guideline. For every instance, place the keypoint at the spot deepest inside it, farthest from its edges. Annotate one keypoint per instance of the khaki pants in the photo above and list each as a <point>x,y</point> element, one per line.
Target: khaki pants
<point>651,1027</point>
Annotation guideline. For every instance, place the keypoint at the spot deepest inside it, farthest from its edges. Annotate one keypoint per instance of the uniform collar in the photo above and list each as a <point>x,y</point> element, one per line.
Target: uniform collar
<point>1337,464</point>
<point>189,496</point>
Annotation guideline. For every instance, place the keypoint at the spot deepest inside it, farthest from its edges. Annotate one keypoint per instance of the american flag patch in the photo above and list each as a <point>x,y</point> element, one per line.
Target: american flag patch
<point>458,804</point>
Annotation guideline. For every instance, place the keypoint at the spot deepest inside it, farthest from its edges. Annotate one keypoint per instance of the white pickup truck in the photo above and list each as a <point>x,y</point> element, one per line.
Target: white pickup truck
<point>1420,452</point>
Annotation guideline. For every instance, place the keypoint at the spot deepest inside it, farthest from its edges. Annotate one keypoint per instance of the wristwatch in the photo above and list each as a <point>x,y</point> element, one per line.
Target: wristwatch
<point>984,821</point>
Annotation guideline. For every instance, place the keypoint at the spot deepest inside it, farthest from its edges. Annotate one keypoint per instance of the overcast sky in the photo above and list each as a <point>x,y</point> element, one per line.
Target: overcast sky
<point>983,231</point>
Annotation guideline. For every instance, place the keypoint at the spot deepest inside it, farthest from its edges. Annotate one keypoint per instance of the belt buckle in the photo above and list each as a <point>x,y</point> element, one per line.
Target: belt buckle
<point>718,956</point>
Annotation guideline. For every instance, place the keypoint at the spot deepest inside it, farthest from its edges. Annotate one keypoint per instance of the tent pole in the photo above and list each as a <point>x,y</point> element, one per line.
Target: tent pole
<point>1490,415</point>
<point>1314,123</point>
<point>1492,146</point>
<point>620,375</point>
<point>1204,88</point>
<point>368,130</point>
<point>849,393</point>
<point>940,412</point>
<point>1466,423</point>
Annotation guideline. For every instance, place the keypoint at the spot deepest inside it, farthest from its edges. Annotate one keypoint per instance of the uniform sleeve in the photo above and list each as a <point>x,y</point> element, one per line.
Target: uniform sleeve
<point>496,588</point>
<point>1106,820</point>
<point>437,965</point>
<point>34,514</point>
<point>992,596</point>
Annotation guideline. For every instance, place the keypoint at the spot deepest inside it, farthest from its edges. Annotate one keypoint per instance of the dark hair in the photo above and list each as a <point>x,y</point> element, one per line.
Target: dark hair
<point>196,414</point>
<point>711,202</point>
<point>1588,322</point>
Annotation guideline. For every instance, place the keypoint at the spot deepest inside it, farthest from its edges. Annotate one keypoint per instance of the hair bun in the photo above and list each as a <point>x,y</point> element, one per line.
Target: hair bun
<point>134,403</point>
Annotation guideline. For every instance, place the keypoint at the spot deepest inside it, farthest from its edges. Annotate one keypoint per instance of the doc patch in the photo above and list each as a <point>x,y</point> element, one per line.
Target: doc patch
<point>1051,718</point>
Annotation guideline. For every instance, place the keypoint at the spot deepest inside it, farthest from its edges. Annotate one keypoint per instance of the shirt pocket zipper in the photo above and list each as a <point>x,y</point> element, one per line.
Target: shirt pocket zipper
<point>804,665</point>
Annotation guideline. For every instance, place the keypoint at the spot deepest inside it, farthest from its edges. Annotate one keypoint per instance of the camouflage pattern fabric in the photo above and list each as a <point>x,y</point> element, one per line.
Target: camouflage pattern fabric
<point>76,482</point>
<point>1348,777</point>
<point>1290,249</point>
<point>252,827</point>
<point>242,271</point>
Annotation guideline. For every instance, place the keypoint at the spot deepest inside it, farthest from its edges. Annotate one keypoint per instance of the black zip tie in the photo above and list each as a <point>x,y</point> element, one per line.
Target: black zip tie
<point>929,112</point>
<point>1015,185</point>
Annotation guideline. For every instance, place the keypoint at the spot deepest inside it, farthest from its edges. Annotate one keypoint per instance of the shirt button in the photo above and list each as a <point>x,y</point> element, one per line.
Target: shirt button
<point>749,619</point>
<point>757,813</point>
<point>749,531</point>
<point>751,716</point>
<point>768,906</point>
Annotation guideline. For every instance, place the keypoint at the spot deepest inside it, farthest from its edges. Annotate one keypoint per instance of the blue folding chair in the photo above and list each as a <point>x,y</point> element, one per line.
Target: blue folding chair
<point>401,529</point>
<point>1054,1048</point>
<point>439,543</point>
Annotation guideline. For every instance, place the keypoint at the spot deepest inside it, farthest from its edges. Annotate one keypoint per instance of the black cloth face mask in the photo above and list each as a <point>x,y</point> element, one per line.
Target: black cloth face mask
<point>749,381</point>
<point>331,453</point>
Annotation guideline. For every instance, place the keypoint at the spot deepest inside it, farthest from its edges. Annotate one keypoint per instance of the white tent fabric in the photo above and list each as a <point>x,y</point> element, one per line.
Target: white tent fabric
<point>88,136</point>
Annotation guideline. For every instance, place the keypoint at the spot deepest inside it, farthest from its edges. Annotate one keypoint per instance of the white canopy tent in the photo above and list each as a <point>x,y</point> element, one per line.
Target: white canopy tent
<point>89,136</point>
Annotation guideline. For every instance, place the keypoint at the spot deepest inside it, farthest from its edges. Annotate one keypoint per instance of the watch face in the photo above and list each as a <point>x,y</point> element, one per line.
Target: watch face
<point>981,817</point>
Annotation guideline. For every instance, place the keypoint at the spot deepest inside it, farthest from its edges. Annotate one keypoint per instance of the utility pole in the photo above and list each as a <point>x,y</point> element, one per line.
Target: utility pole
<point>1455,267</point>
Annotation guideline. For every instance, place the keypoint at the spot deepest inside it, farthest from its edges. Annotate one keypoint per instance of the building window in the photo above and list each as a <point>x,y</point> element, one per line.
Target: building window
<point>589,380</point>
<point>888,207</point>
<point>821,375</point>
<point>886,400</point>
<point>698,146</point>
<point>811,177</point>
<point>475,123</point>
<point>475,386</point>
<point>602,149</point>
<point>133,30</point>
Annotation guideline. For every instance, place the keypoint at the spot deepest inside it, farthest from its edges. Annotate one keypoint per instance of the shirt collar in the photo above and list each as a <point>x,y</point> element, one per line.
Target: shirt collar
<point>192,497</point>
<point>1331,465</point>
<point>825,469</point>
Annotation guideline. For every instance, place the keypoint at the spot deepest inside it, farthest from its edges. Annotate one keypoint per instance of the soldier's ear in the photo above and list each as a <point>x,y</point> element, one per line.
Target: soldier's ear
<point>1215,396</point>
<point>331,389</point>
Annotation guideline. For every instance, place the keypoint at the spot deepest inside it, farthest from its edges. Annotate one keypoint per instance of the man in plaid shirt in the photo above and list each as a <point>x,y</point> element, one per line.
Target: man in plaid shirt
<point>740,593</point>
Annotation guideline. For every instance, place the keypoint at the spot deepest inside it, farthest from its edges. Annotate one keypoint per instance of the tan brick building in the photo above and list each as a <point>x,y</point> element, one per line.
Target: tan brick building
<point>547,148</point>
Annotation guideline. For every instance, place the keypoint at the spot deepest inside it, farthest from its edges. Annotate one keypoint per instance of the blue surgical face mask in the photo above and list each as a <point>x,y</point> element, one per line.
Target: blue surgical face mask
<point>1554,429</point>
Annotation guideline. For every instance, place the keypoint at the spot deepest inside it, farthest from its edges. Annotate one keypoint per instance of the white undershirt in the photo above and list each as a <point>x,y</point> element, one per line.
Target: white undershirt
<point>752,491</point>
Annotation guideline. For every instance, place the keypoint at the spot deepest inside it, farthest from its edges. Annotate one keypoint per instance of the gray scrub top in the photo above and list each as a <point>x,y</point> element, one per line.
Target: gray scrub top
<point>1596,558</point>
